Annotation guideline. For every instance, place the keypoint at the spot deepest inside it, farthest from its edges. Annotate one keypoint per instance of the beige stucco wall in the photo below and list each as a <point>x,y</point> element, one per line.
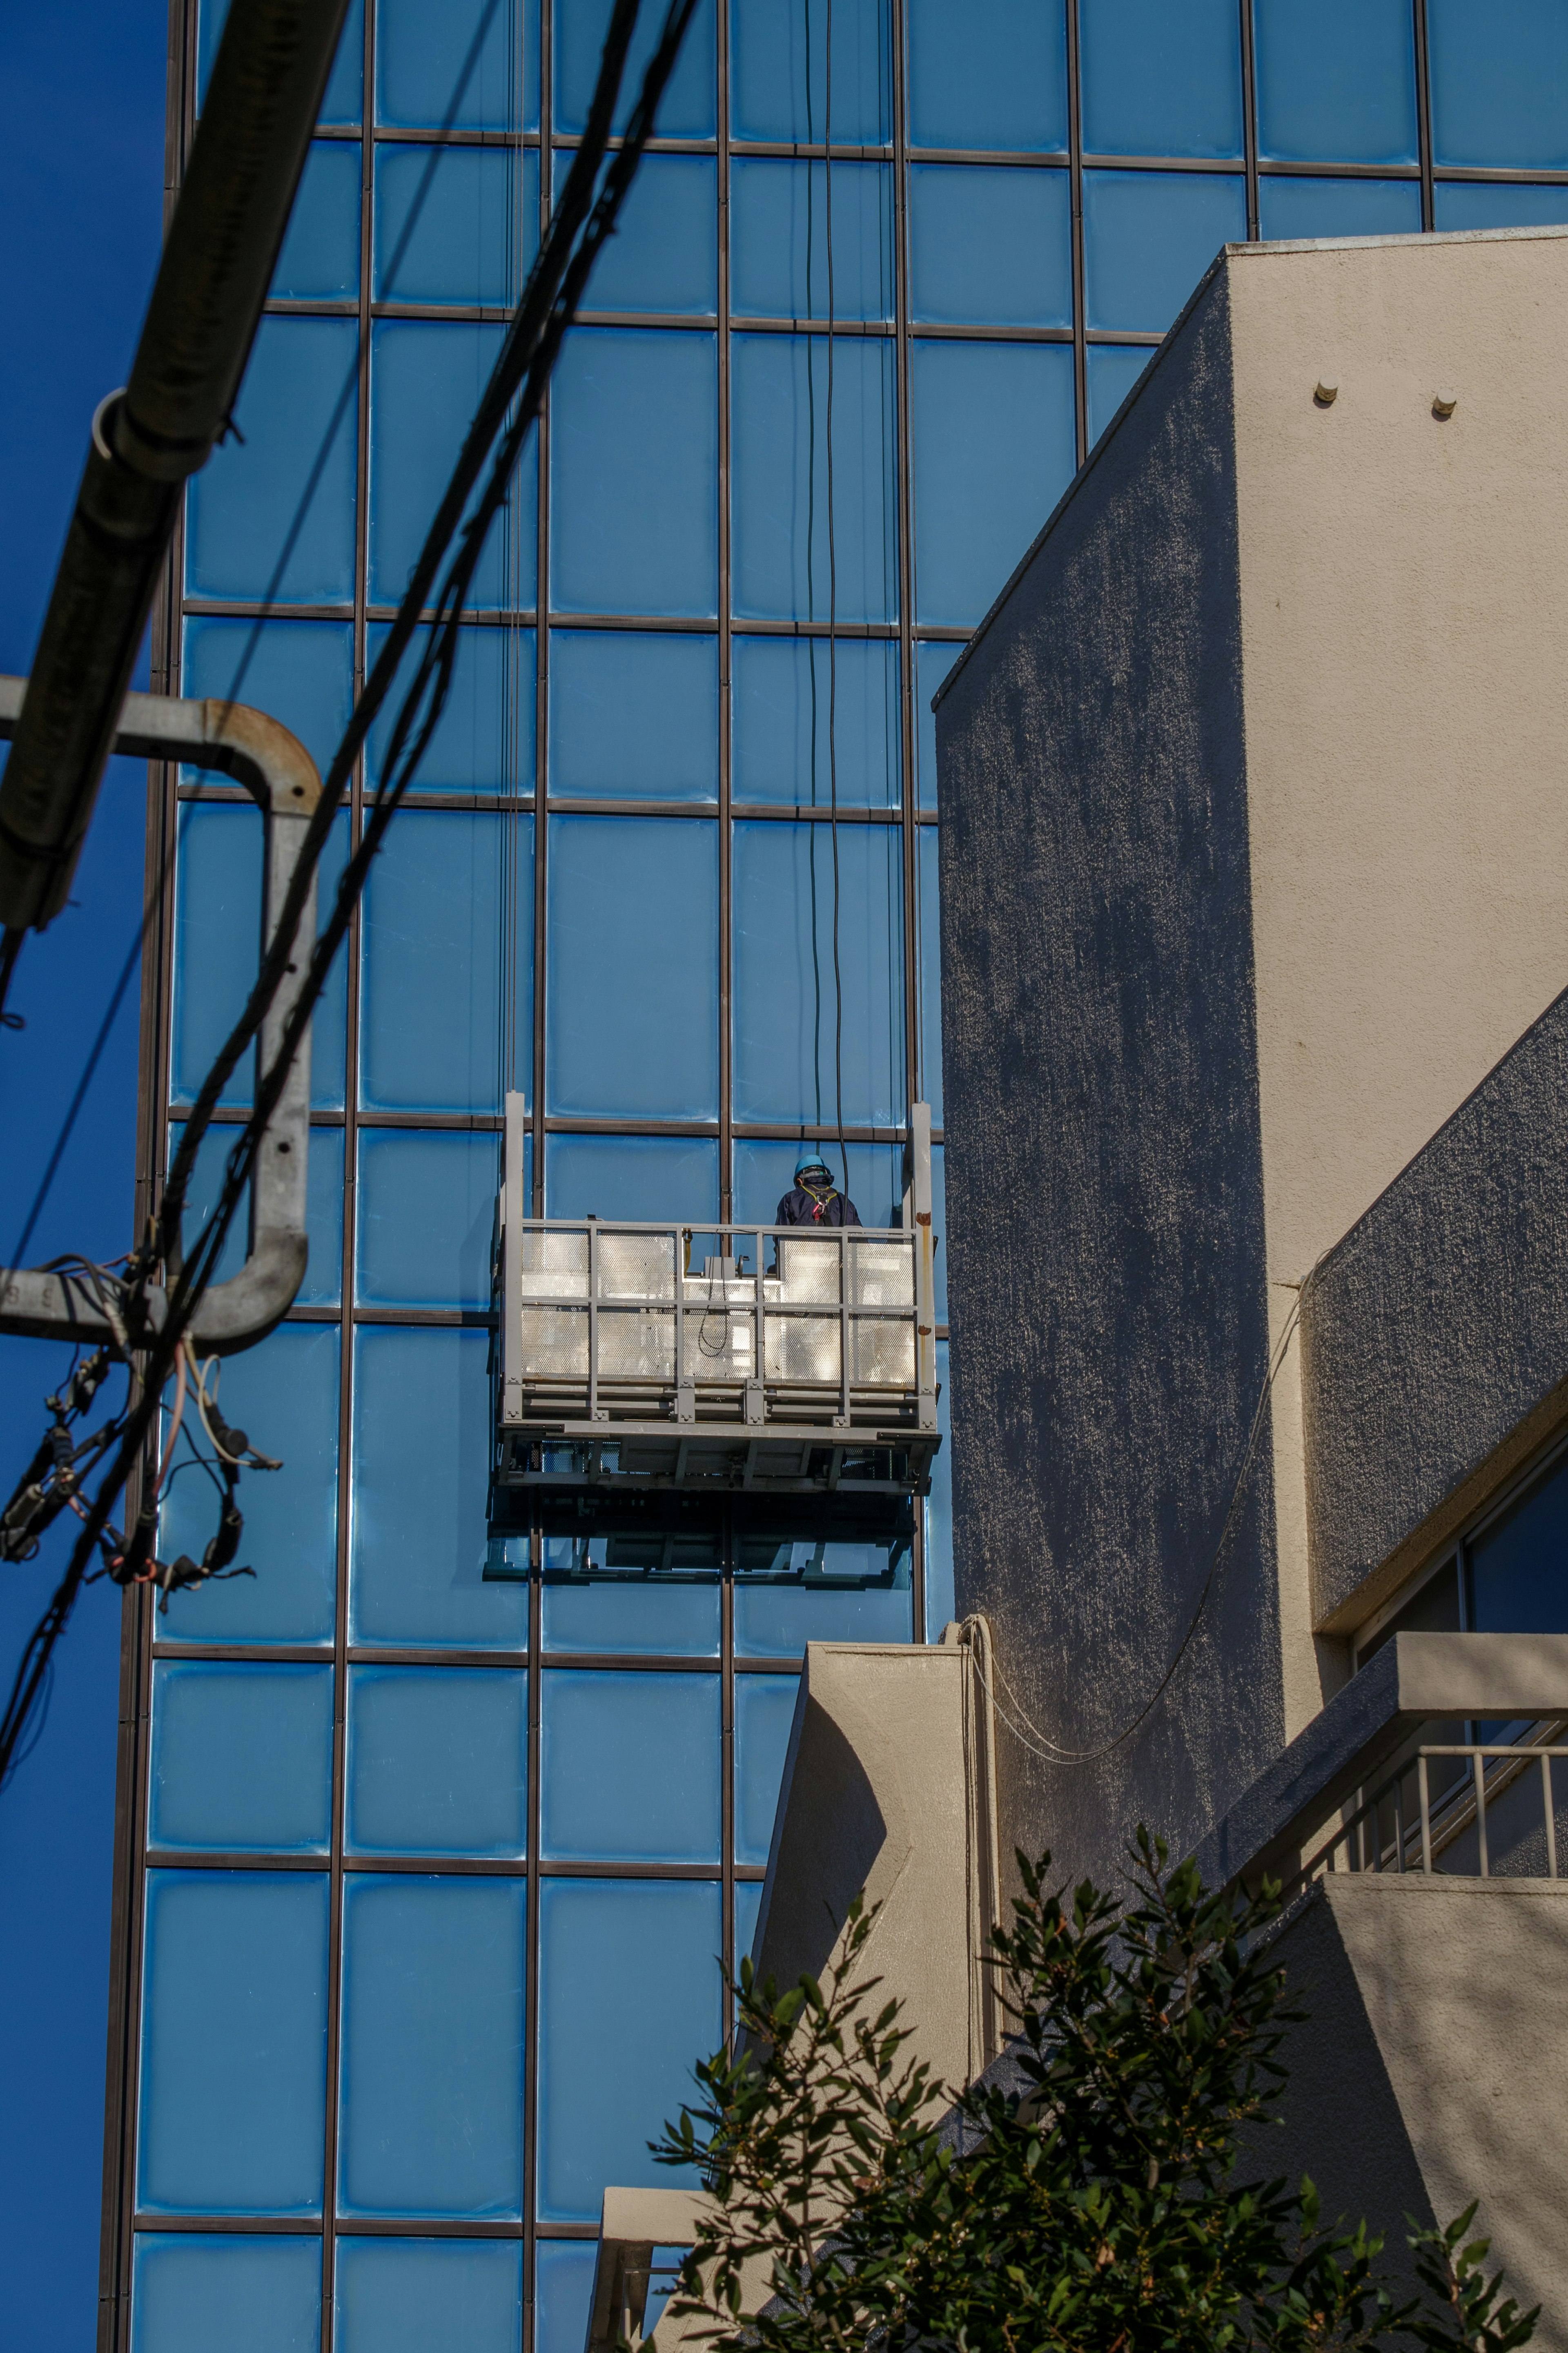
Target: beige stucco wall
<point>1403,606</point>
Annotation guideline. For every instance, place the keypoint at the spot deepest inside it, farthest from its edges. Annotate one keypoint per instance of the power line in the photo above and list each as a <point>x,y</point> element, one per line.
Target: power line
<point>521,375</point>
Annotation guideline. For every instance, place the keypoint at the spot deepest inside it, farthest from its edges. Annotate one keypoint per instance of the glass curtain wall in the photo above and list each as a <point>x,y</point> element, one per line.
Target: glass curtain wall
<point>433,1872</point>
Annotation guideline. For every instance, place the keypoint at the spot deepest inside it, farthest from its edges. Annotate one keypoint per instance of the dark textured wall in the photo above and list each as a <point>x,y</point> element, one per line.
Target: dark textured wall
<point>1104,1191</point>
<point>1437,1329</point>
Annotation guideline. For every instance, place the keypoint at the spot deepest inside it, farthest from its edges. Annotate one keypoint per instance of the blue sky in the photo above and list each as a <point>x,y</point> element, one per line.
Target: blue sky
<point>80,200</point>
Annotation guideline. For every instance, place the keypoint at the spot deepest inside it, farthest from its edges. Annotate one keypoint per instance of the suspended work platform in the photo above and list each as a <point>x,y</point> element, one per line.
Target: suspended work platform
<point>650,1372</point>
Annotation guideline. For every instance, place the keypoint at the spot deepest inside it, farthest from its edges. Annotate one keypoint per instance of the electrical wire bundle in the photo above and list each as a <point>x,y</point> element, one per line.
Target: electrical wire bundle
<point>438,587</point>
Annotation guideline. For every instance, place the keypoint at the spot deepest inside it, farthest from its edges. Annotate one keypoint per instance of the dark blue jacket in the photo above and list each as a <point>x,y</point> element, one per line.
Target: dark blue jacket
<point>800,1208</point>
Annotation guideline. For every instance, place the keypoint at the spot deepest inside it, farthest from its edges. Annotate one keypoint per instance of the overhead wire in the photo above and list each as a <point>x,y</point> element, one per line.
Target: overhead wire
<point>577,233</point>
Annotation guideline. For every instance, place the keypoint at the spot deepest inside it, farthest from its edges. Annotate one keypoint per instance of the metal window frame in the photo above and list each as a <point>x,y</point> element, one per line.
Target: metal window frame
<point>140,1645</point>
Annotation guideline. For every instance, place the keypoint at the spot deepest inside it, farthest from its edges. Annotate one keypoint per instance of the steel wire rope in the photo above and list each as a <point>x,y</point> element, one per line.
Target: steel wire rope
<point>1039,1743</point>
<point>833,612</point>
<point>523,369</point>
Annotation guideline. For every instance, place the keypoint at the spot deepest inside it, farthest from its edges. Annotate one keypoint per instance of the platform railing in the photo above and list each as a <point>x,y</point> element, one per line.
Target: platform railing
<point>1424,1810</point>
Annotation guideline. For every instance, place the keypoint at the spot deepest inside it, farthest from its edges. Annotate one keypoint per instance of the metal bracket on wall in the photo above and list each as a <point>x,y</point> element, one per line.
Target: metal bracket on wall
<point>279,773</point>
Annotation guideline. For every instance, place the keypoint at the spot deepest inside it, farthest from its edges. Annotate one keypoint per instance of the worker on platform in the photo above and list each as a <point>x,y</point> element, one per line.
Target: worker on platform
<point>814,1199</point>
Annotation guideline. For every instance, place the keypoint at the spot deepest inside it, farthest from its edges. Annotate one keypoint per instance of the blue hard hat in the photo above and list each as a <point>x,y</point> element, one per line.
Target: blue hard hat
<point>808,1167</point>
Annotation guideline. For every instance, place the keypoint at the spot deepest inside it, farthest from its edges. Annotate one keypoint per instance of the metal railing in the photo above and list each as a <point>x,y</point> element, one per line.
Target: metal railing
<point>1407,1824</point>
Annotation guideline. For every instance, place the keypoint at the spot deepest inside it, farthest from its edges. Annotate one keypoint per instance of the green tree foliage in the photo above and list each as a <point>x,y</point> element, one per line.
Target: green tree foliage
<point>1095,2200</point>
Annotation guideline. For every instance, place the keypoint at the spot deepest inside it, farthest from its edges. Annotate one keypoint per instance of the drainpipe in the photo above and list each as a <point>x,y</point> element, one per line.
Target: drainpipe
<point>280,776</point>
<point>218,260</point>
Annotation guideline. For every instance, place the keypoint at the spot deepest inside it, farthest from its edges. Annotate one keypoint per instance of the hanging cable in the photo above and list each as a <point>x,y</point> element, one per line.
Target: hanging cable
<point>833,620</point>
<point>577,233</point>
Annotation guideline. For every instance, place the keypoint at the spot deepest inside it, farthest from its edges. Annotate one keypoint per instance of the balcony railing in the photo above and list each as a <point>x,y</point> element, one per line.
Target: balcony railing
<point>1471,1808</point>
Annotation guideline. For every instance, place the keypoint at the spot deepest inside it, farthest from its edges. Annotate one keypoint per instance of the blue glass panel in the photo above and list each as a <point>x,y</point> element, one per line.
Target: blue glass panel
<point>468,65</point>
<point>484,742</point>
<point>242,1758</point>
<point>1303,207</point>
<point>323,1209</point>
<point>422,1421</point>
<point>748,1903</point>
<point>782,557</point>
<point>428,2295</point>
<point>765,1172</point>
<point>634,716</point>
<point>634,1176</point>
<point>427,1219</point>
<point>234,2042</point>
<point>793,1032</point>
<point>799,701</point>
<point>1336,83</point>
<point>780,256</point>
<point>563,2292</point>
<point>454,223</point>
<point>1492,203</point>
<point>764,1710</point>
<point>990,244</point>
<point>191,2291</point>
<point>687,109</point>
<point>641,1618</point>
<point>930,972</point>
<point>426,383</point>
<point>777,1621</point>
<point>1159,81</point>
<point>933,662</point>
<point>634,457</point>
<point>319,260</point>
<point>430,2113</point>
<point>939,1226</point>
<point>980,496</point>
<point>602,2098</point>
<point>600,1800</point>
<point>1517,1584</point>
<point>941,1604</point>
<point>284,1395</point>
<point>1148,238</point>
<point>341,102</point>
<point>664,255</point>
<point>992,74</point>
<point>431,1030</point>
<point>301,672</point>
<point>778,72</point>
<point>1500,83</point>
<point>272,516</point>
<point>437,1761</point>
<point>1113,370</point>
<point>632,1007</point>
<point>218,887</point>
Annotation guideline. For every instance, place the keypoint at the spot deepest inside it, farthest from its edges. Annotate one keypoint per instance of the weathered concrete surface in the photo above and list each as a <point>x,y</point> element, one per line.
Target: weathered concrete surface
<point>1435,1335</point>
<point>1255,862</point>
<point>1431,2069</point>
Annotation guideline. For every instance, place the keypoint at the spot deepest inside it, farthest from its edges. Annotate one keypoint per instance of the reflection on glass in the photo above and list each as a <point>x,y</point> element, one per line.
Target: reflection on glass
<point>981,498</point>
<point>991,75</point>
<point>630,1614</point>
<point>601,2098</point>
<point>780,447</point>
<point>241,1759</point>
<point>778,73</point>
<point>799,713</point>
<point>272,515</point>
<point>1161,81</point>
<point>234,2042</point>
<point>1518,1566</point>
<point>664,255</point>
<point>788,1594</point>
<point>410,2296</point>
<point>633,715</point>
<point>633,1002</point>
<point>454,223</point>
<point>990,246</point>
<point>941,1604</point>
<point>1148,238</point>
<point>629,1768</point>
<point>793,1032</point>
<point>634,461</point>
<point>779,261</point>
<point>1336,83</point>
<point>431,2102</point>
<point>437,1761</point>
